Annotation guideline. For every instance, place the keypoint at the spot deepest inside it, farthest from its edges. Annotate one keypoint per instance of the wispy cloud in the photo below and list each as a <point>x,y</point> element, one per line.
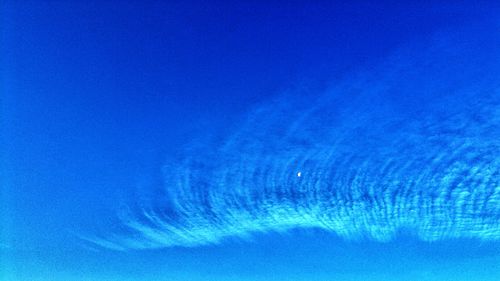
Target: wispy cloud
<point>410,145</point>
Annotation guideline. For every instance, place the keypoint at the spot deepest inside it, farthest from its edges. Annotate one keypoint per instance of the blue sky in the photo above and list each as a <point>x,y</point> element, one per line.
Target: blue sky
<point>97,97</point>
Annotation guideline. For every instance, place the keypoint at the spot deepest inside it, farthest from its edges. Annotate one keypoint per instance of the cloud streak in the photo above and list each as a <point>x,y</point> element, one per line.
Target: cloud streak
<point>411,145</point>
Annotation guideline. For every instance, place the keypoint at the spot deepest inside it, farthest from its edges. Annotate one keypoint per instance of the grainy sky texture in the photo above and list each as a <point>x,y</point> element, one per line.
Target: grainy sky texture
<point>249,140</point>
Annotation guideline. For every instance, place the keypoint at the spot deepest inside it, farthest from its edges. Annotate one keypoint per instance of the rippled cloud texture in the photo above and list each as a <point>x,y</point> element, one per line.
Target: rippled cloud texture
<point>410,145</point>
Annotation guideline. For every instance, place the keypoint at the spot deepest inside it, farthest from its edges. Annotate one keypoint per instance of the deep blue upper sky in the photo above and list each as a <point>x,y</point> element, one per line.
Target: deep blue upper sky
<point>95,95</point>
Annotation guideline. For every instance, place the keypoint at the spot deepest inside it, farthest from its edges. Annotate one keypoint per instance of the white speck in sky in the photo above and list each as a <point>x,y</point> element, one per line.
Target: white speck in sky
<point>299,174</point>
